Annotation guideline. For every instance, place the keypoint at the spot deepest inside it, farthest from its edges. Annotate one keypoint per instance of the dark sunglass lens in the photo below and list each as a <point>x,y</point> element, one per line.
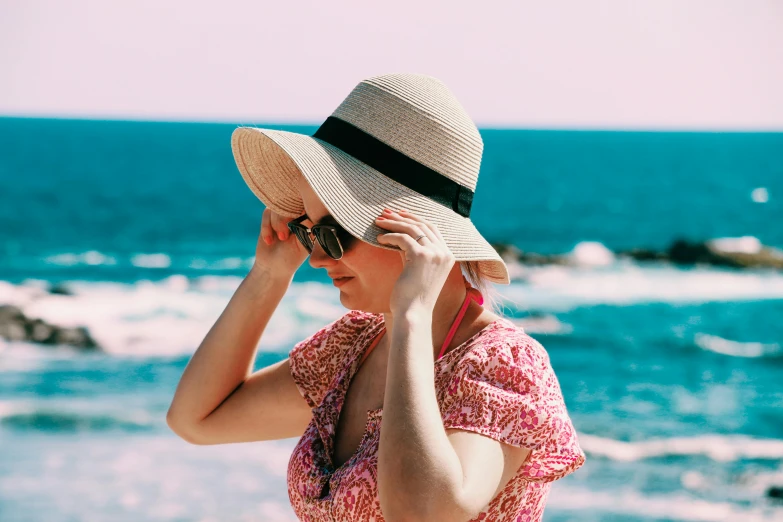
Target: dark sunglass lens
<point>328,240</point>
<point>302,236</point>
<point>346,239</point>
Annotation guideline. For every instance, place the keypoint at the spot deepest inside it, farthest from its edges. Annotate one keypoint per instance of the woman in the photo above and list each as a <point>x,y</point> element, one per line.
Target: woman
<point>419,403</point>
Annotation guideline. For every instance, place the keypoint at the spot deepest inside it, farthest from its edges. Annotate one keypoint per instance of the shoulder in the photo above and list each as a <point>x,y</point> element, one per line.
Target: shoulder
<point>520,363</point>
<point>352,325</point>
<point>316,360</point>
<point>504,369</point>
<point>495,386</point>
<point>360,318</point>
<point>506,344</point>
<point>504,387</point>
<point>331,341</point>
<point>349,325</point>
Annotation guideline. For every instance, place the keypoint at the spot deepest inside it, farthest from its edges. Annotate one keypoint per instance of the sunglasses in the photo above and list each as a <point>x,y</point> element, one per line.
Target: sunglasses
<point>334,239</point>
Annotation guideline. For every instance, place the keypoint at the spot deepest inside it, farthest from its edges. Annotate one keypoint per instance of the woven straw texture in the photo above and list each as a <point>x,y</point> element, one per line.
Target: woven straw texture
<point>415,114</point>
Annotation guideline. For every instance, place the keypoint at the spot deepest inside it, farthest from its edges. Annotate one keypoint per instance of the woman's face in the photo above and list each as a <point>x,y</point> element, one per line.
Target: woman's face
<point>373,270</point>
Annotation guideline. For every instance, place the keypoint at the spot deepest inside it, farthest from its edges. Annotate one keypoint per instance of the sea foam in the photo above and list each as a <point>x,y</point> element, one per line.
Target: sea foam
<point>720,448</point>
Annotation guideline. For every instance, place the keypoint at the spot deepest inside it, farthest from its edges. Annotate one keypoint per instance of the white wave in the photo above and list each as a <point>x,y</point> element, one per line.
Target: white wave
<point>8,408</point>
<point>759,482</point>
<point>151,260</point>
<point>721,448</point>
<point>543,324</point>
<point>90,258</point>
<point>760,195</point>
<point>21,295</point>
<point>591,253</point>
<point>228,263</point>
<point>145,477</point>
<point>559,288</point>
<point>716,344</point>
<point>171,316</point>
<point>19,356</point>
<point>737,245</point>
<point>678,506</point>
<point>594,276</point>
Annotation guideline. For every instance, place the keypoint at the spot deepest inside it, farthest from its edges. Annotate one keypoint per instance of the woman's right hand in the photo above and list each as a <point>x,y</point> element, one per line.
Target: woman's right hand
<point>278,250</point>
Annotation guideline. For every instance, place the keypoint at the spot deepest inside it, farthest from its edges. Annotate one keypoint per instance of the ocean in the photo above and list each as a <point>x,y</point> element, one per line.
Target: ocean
<point>141,231</point>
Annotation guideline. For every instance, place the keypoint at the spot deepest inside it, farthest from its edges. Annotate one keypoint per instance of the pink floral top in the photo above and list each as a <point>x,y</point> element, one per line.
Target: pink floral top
<point>498,383</point>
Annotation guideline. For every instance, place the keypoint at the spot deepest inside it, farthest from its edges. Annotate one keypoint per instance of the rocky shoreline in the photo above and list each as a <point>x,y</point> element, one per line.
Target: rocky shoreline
<point>746,252</point>
<point>16,326</point>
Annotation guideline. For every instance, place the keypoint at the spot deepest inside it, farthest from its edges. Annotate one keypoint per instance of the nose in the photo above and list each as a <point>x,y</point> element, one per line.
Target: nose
<point>318,258</point>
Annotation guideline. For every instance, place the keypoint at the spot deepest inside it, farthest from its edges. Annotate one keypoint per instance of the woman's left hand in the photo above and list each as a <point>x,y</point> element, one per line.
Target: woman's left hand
<point>427,262</point>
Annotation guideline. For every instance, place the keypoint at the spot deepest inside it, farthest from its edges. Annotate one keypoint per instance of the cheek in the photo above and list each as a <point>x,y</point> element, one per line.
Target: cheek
<point>374,263</point>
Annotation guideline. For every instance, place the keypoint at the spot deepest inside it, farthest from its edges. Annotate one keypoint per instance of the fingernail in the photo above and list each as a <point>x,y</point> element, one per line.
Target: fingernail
<point>267,240</point>
<point>281,236</point>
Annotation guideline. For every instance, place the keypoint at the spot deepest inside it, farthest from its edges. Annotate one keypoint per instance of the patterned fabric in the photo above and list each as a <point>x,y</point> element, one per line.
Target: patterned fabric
<point>498,383</point>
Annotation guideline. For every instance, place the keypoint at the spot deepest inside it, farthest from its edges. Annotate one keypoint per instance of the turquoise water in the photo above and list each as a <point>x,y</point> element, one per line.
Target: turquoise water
<point>671,374</point>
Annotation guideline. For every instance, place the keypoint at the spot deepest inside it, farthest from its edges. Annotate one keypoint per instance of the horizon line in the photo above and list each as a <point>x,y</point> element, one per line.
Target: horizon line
<point>119,118</point>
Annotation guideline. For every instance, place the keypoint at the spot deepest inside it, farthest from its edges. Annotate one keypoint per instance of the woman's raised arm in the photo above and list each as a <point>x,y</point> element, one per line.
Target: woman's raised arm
<point>218,400</point>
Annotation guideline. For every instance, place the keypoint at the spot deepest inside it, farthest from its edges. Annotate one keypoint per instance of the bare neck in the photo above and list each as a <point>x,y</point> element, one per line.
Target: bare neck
<point>446,309</point>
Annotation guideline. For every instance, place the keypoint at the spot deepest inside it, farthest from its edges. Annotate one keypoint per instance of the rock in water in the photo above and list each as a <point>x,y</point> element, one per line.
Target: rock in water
<point>60,289</point>
<point>15,326</point>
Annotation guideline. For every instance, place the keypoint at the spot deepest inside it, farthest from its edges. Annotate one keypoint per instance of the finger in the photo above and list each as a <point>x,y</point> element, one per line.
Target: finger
<point>434,229</point>
<point>421,223</point>
<point>411,228</point>
<point>280,226</point>
<point>402,240</point>
<point>266,226</point>
<point>431,229</point>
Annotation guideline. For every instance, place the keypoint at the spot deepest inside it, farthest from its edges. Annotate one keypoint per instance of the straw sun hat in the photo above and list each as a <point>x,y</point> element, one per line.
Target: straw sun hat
<point>397,141</point>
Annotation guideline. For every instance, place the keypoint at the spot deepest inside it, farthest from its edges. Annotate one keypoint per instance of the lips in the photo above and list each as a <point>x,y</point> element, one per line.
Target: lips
<point>339,281</point>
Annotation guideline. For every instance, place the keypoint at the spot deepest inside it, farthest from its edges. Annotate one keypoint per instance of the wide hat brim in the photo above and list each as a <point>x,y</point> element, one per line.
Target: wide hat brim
<point>353,192</point>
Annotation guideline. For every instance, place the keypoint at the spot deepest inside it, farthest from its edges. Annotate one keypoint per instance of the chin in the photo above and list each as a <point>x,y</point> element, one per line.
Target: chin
<point>354,302</point>
<point>347,299</point>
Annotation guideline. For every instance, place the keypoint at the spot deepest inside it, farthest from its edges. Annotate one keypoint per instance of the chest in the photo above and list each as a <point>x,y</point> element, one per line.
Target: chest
<point>365,393</point>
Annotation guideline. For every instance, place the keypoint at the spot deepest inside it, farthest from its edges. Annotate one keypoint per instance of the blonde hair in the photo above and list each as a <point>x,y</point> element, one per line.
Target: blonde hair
<point>474,275</point>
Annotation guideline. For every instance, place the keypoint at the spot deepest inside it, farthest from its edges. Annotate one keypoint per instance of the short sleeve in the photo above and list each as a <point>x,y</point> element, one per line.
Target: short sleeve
<point>506,389</point>
<point>316,360</point>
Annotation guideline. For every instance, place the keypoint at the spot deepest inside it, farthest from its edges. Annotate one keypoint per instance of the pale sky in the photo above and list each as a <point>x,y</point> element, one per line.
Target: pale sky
<point>647,64</point>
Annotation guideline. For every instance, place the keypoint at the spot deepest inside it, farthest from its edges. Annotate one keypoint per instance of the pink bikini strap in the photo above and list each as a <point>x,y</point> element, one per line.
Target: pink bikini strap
<point>472,293</point>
